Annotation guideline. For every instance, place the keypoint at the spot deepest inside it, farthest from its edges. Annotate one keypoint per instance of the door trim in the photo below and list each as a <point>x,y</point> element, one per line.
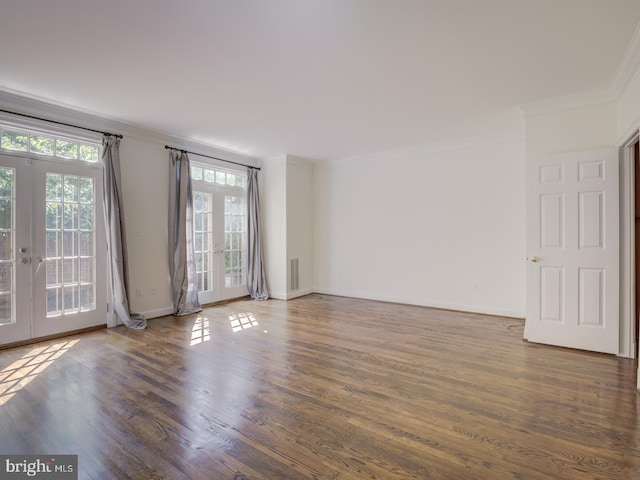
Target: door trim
<point>627,248</point>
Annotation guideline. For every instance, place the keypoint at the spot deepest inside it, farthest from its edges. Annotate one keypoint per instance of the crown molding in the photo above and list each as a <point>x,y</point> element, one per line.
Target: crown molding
<point>425,149</point>
<point>627,68</point>
<point>628,65</point>
<point>32,105</point>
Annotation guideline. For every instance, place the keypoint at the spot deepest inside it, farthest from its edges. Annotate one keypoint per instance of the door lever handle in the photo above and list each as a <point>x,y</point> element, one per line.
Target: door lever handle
<point>23,260</point>
<point>534,259</point>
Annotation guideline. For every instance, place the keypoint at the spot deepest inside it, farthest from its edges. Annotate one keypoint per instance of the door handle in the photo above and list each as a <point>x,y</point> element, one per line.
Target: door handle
<point>534,259</point>
<point>24,260</point>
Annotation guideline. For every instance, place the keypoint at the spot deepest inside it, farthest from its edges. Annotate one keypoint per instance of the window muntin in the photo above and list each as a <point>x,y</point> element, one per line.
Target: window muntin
<point>45,144</point>
<point>218,176</point>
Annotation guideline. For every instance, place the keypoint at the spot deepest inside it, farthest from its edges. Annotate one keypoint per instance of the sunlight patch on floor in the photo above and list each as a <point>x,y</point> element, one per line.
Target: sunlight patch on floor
<point>18,375</point>
<point>200,332</point>
<point>242,321</point>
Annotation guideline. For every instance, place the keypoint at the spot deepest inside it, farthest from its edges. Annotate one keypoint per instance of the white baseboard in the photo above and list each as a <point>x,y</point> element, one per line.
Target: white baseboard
<point>160,312</point>
<point>291,295</point>
<point>483,309</point>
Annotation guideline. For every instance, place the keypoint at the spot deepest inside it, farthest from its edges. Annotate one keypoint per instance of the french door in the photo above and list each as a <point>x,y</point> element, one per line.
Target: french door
<point>52,248</point>
<point>220,236</point>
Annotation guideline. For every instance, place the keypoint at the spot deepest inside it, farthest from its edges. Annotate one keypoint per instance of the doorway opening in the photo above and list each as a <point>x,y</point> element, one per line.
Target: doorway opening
<point>636,193</point>
<point>629,247</point>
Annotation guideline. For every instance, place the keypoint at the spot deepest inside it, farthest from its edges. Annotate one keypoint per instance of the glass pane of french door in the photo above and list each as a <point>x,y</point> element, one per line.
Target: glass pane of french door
<point>15,265</point>
<point>70,244</point>
<point>52,248</point>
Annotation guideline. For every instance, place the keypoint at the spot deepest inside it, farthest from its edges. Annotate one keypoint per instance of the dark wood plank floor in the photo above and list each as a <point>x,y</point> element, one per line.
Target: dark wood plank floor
<point>322,388</point>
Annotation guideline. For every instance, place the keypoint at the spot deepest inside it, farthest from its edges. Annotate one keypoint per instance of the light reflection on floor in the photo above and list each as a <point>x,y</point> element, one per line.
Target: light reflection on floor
<point>200,332</point>
<point>18,375</point>
<point>242,321</point>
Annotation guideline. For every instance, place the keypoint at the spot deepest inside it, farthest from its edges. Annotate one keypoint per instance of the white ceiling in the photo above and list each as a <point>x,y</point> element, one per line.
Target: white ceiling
<point>321,79</point>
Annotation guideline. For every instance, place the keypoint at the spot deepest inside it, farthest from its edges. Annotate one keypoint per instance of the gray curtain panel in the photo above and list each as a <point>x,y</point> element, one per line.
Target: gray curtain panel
<point>256,276</point>
<point>182,263</point>
<point>116,235</point>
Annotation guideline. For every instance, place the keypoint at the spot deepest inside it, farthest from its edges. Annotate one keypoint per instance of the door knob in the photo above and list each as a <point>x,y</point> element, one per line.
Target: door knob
<point>534,259</point>
<point>23,260</point>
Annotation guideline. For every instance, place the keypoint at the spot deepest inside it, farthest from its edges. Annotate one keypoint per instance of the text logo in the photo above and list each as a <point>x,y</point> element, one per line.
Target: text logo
<point>51,467</point>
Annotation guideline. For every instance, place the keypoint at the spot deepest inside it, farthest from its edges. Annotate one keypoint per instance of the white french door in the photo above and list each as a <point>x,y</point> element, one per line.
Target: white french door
<point>52,248</point>
<point>573,248</point>
<point>16,267</point>
<point>220,236</point>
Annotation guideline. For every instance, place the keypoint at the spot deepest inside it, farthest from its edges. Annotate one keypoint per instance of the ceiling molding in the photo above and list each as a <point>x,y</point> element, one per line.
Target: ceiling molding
<point>425,149</point>
<point>628,65</point>
<point>32,105</point>
<point>567,102</point>
<point>626,70</point>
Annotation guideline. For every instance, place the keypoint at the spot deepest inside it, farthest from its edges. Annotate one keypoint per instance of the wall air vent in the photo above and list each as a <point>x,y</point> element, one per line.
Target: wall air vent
<point>295,274</point>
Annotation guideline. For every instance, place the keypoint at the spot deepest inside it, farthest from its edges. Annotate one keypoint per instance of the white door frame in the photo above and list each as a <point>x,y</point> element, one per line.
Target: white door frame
<point>627,246</point>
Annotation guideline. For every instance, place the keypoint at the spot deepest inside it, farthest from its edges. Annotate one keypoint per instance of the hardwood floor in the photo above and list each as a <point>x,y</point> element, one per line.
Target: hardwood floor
<point>322,388</point>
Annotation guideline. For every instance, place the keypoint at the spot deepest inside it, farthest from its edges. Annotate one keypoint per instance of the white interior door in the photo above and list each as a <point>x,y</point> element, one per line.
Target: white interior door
<point>52,246</point>
<point>573,251</point>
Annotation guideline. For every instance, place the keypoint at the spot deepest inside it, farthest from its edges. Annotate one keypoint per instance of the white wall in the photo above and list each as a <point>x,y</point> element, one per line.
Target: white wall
<point>443,229</point>
<point>273,202</point>
<point>571,130</point>
<point>145,185</point>
<point>300,223</point>
<point>287,206</point>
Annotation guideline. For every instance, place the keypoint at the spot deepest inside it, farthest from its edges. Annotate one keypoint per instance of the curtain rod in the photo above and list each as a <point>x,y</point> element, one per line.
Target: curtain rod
<point>209,156</point>
<point>62,123</point>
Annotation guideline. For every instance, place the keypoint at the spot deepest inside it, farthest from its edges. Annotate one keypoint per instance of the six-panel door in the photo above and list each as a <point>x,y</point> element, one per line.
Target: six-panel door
<point>572,245</point>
